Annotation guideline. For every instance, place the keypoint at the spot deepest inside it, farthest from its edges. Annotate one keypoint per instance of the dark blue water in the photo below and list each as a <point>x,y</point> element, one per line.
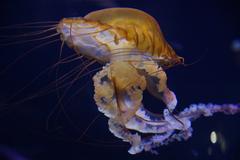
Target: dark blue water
<point>206,31</point>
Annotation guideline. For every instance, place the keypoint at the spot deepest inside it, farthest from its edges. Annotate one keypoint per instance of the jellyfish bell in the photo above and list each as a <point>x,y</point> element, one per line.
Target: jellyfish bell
<point>118,33</point>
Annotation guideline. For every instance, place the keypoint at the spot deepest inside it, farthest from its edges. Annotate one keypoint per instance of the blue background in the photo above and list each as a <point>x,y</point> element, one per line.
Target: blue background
<point>206,31</point>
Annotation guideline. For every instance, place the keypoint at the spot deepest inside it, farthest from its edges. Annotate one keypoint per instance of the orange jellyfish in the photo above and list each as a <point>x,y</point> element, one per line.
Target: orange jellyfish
<point>131,46</point>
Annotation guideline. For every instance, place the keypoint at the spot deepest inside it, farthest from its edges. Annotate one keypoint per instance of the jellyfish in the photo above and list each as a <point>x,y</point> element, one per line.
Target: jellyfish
<point>130,45</point>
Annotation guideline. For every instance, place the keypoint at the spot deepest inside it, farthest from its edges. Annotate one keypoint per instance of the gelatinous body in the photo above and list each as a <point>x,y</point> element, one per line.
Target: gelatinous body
<point>131,45</point>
